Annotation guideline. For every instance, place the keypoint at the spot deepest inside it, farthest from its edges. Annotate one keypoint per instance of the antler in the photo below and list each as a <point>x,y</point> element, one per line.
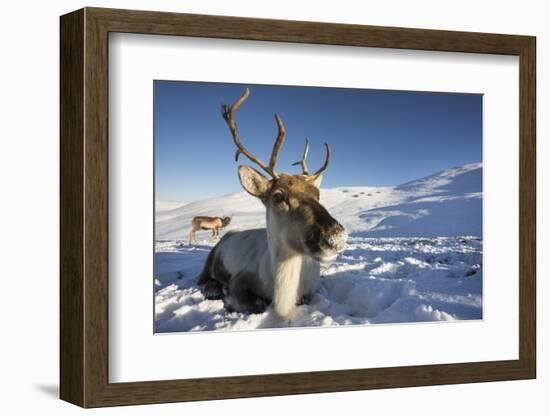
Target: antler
<point>303,162</point>
<point>228,113</point>
<point>325,165</point>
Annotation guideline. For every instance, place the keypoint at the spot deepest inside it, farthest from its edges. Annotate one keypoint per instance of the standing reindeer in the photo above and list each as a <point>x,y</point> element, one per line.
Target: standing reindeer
<point>277,265</point>
<point>208,223</point>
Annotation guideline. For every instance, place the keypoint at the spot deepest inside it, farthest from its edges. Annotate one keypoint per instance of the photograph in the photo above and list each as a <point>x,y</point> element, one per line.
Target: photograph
<point>280,206</point>
<point>283,207</point>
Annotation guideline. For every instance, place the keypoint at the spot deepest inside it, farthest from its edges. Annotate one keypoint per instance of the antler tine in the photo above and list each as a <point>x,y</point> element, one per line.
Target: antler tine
<point>325,165</point>
<point>228,114</point>
<point>303,162</point>
<point>277,145</point>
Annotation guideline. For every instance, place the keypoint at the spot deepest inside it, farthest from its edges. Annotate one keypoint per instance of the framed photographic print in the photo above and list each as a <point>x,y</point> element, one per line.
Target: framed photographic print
<point>256,207</point>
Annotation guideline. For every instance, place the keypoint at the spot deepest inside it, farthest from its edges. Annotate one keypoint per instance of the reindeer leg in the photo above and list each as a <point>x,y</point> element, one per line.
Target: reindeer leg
<point>211,288</point>
<point>305,299</point>
<point>243,297</point>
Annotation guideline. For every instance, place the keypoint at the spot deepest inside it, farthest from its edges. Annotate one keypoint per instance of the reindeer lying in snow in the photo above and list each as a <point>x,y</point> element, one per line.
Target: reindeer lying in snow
<point>208,223</point>
<point>277,265</point>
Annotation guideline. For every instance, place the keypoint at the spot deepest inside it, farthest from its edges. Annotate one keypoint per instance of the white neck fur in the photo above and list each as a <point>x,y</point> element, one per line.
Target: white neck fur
<point>286,266</point>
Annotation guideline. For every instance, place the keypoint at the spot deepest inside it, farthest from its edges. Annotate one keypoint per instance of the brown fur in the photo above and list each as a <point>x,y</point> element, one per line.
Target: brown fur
<point>300,201</point>
<point>299,186</point>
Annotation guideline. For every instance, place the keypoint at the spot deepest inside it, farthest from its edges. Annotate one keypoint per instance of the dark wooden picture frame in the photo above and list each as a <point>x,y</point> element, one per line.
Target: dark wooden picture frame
<point>84,207</point>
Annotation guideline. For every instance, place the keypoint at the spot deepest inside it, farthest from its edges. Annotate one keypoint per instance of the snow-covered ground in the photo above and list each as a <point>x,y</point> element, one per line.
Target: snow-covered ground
<point>414,254</point>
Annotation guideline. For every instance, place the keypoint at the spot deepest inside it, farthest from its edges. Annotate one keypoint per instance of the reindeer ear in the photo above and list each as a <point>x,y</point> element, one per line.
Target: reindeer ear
<point>316,181</point>
<point>253,181</point>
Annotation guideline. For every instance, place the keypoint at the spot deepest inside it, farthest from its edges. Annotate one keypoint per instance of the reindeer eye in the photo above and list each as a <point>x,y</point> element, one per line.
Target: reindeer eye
<point>278,198</point>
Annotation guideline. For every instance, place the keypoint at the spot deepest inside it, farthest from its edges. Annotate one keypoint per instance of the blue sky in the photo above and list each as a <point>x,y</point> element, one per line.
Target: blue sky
<point>377,137</point>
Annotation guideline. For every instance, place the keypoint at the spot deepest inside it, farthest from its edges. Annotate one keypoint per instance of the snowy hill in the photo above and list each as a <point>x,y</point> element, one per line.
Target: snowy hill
<point>247,212</point>
<point>445,204</point>
<point>163,206</point>
<point>414,254</point>
<point>164,209</point>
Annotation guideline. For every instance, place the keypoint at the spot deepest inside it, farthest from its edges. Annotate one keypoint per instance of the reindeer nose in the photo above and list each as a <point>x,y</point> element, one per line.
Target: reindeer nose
<point>335,237</point>
<point>338,228</point>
